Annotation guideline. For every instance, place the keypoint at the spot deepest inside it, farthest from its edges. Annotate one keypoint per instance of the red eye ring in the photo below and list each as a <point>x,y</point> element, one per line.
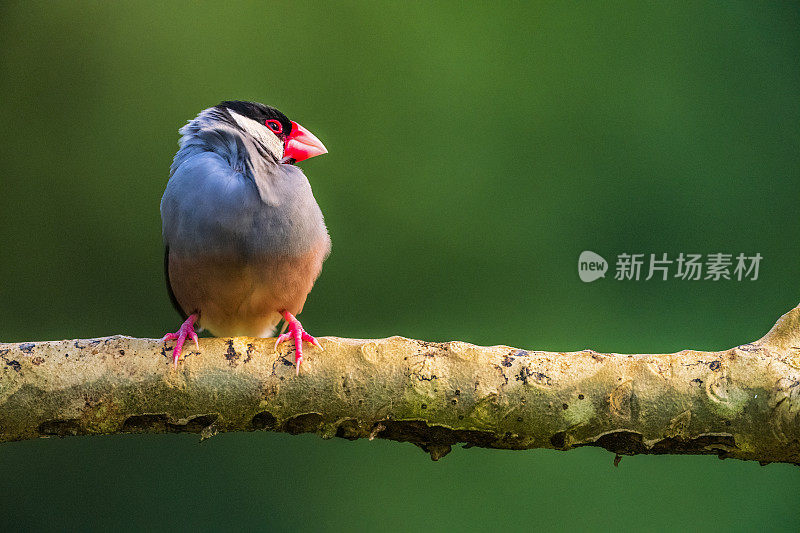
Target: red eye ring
<point>274,125</point>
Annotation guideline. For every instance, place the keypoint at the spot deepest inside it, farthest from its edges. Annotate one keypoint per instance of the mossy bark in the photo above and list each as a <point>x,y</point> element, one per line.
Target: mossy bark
<point>742,403</point>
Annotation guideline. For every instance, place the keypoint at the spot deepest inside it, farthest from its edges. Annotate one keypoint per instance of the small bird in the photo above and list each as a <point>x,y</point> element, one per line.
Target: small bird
<point>244,238</point>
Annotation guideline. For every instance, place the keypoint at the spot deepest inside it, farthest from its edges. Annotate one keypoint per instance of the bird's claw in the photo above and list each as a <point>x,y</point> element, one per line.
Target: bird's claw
<point>185,331</point>
<point>313,341</point>
<point>299,335</point>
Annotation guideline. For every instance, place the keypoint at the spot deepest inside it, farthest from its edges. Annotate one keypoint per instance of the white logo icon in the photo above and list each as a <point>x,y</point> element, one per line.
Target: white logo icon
<point>591,266</point>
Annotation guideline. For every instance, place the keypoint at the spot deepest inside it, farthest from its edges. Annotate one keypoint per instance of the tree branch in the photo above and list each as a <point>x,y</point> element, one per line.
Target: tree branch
<point>742,403</point>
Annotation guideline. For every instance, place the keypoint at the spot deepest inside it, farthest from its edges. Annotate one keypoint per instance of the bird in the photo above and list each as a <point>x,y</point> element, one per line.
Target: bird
<point>244,238</point>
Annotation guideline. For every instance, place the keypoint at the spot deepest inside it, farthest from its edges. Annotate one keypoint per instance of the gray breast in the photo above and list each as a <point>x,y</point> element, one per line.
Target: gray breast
<point>210,206</point>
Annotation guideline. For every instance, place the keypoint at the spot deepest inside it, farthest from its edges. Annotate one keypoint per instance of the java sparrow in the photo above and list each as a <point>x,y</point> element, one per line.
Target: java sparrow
<point>244,238</point>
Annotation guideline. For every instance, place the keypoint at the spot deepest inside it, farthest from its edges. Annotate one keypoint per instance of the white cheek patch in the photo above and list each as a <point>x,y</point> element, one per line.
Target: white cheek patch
<point>260,132</point>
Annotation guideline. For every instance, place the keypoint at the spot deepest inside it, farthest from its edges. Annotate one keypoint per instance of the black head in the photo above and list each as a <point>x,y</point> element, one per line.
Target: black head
<point>263,114</point>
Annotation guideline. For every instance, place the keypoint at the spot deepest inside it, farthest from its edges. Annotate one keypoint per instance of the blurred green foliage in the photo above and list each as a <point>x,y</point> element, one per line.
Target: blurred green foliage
<point>475,151</point>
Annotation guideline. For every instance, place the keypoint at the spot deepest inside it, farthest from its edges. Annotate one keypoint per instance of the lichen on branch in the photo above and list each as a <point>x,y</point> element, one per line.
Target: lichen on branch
<point>742,403</point>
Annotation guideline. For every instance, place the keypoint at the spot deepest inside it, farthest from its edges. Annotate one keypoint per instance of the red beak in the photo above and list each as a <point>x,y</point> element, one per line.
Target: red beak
<point>302,144</point>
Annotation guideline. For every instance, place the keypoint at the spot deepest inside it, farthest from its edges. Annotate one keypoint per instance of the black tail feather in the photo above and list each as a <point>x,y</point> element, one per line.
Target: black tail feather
<point>172,298</point>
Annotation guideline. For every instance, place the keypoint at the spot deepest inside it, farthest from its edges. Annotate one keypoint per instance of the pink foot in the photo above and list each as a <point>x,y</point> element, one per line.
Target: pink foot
<point>185,331</point>
<point>298,334</point>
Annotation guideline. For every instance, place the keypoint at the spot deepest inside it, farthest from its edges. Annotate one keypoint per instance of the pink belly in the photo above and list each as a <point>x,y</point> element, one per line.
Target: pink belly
<point>243,298</point>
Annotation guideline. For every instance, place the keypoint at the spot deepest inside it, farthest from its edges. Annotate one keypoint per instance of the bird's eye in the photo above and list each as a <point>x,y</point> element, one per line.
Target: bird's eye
<point>274,125</point>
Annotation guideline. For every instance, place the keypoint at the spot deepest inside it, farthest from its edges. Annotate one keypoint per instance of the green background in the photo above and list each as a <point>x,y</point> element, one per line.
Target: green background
<point>475,151</point>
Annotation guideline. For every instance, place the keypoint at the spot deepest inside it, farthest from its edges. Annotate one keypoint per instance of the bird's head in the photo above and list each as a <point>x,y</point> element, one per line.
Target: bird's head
<point>286,140</point>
